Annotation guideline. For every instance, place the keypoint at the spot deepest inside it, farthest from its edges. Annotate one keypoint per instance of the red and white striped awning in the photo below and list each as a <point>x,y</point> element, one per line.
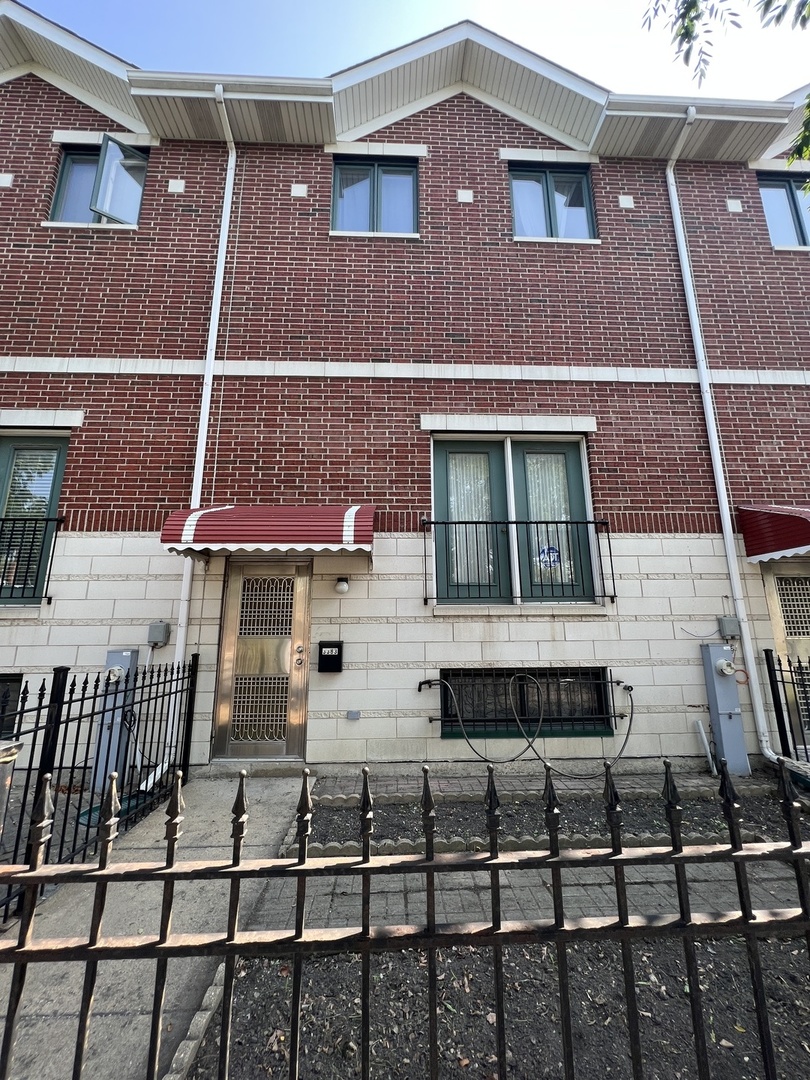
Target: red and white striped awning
<point>306,529</point>
<point>774,532</point>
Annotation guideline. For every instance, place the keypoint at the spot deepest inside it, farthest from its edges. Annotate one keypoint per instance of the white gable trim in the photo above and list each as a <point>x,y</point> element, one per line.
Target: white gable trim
<point>64,39</point>
<point>126,120</point>
<point>414,107</point>
<point>779,165</point>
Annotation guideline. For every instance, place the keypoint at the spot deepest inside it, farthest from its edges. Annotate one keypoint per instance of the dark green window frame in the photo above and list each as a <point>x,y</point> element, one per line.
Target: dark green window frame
<point>37,538</point>
<point>376,209</point>
<point>548,183</point>
<point>496,556</point>
<point>786,203</point>
<point>118,173</point>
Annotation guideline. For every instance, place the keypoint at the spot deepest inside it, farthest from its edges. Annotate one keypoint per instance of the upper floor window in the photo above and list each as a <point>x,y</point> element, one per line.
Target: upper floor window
<point>511,523</point>
<point>99,184</point>
<point>30,478</point>
<point>374,196</point>
<point>552,203</point>
<point>787,209</point>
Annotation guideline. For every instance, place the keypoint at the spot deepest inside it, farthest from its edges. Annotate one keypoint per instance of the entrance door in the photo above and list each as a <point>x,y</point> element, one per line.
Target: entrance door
<point>264,662</point>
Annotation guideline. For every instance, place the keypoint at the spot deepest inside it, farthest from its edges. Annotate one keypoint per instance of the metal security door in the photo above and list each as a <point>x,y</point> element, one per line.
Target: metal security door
<point>262,691</point>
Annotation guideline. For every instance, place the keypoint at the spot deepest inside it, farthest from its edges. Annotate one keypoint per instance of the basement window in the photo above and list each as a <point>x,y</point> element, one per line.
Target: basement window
<point>100,184</point>
<point>571,701</point>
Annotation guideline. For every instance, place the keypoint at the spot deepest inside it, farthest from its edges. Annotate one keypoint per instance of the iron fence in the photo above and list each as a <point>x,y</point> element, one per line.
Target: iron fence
<point>77,731</point>
<point>789,680</point>
<point>518,561</point>
<point>26,548</point>
<point>366,938</point>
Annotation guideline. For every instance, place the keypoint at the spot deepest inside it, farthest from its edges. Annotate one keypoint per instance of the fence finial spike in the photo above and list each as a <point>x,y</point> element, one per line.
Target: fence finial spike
<point>176,801</point>
<point>727,791</point>
<point>611,794</point>
<point>552,803</point>
<point>240,803</point>
<point>428,803</point>
<point>491,798</point>
<point>366,801</point>
<point>112,804</point>
<point>670,794</point>
<point>43,807</point>
<point>304,806</point>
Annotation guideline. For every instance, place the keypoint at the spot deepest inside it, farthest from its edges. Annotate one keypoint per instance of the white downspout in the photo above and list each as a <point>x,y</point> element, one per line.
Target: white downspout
<point>208,373</point>
<point>749,656</point>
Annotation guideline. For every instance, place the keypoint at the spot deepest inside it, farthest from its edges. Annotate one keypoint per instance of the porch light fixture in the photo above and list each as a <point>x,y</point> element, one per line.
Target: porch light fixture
<point>342,585</point>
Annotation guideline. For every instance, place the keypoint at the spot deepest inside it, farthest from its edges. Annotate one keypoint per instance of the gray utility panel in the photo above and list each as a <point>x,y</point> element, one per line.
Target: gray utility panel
<point>725,714</point>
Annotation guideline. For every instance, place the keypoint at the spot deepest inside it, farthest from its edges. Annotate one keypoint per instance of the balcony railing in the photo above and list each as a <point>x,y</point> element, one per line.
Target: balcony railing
<point>516,562</point>
<point>26,547</point>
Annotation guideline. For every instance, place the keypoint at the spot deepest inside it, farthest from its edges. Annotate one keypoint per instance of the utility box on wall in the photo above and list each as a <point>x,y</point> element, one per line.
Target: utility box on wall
<point>724,707</point>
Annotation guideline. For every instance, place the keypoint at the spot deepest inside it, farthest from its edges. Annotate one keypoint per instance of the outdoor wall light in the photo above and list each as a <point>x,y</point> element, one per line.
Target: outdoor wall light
<point>342,585</point>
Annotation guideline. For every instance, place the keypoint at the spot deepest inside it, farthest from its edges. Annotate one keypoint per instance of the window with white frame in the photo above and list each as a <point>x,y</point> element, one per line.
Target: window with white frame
<point>786,201</point>
<point>552,202</point>
<point>374,196</point>
<point>100,184</point>
<point>511,522</point>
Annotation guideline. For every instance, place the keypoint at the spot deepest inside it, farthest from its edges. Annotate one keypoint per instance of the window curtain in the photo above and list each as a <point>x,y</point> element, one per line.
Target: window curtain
<point>529,207</point>
<point>471,558</point>
<point>396,201</point>
<point>550,554</point>
<point>569,206</point>
<point>353,199</point>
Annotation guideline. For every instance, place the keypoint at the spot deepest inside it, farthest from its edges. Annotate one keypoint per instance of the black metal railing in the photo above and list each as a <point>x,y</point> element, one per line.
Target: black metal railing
<point>614,921</point>
<point>517,561</point>
<point>26,551</point>
<point>77,731</point>
<point>789,680</point>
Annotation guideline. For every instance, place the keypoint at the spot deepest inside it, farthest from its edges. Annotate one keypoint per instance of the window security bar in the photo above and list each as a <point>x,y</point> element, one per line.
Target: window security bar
<point>26,554</point>
<point>491,701</point>
<point>518,561</point>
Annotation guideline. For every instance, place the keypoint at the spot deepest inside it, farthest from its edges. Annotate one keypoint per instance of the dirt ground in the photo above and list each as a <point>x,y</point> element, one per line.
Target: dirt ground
<point>399,1048</point>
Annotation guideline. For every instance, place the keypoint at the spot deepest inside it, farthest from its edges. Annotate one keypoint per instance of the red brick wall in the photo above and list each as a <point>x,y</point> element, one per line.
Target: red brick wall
<point>463,292</point>
<point>754,301</point>
<point>130,463</point>
<point>83,292</point>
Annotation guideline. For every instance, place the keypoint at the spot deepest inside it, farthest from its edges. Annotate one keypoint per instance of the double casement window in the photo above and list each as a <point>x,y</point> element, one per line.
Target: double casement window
<point>100,184</point>
<point>552,203</point>
<point>787,209</point>
<point>30,477</point>
<point>511,522</point>
<point>374,196</point>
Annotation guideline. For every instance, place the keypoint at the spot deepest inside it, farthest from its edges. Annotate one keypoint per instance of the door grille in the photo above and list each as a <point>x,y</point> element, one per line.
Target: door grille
<point>259,711</point>
<point>267,607</point>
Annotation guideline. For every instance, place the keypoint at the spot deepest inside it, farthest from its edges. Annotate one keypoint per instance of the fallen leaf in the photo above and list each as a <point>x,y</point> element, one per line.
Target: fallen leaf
<point>491,1018</point>
<point>737,1027</point>
<point>464,1062</point>
<point>726,1044</point>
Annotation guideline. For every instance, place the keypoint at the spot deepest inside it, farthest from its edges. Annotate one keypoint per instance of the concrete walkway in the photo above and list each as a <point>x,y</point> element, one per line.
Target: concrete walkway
<point>119,1031</point>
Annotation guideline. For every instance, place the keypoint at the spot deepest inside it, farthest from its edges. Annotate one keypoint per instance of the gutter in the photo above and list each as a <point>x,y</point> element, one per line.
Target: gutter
<point>707,398</point>
<point>208,372</point>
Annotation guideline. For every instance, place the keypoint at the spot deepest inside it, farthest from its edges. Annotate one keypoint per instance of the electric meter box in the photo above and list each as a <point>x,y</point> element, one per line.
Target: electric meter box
<point>330,656</point>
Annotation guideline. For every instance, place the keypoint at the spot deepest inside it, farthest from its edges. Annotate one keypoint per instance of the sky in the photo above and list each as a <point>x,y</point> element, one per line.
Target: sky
<point>601,40</point>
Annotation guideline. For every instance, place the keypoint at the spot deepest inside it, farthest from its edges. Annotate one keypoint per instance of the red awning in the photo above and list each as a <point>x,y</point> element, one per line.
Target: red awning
<point>308,529</point>
<point>774,532</point>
